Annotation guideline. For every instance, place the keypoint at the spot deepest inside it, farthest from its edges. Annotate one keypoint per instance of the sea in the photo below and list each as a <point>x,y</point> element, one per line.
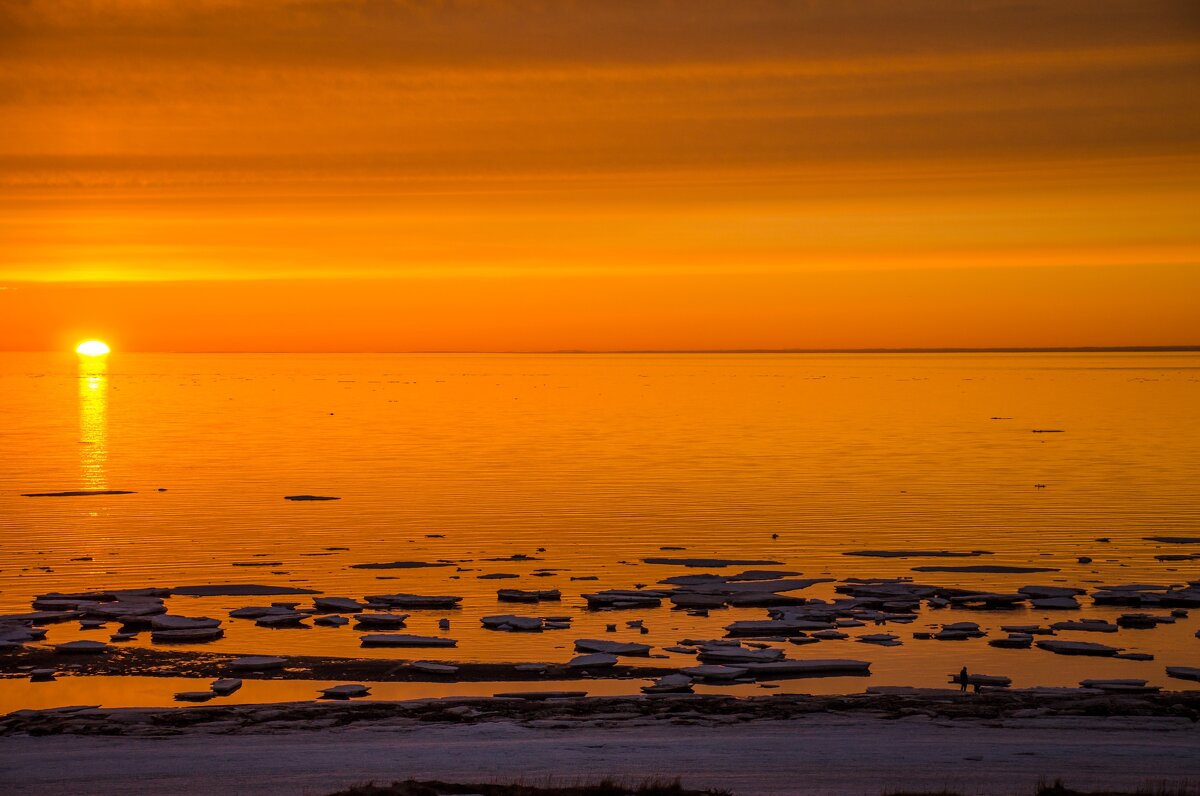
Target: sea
<point>568,471</point>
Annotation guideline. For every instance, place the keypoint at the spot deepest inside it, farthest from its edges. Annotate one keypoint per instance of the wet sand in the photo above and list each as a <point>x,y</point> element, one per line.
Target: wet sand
<point>564,711</point>
<point>134,661</point>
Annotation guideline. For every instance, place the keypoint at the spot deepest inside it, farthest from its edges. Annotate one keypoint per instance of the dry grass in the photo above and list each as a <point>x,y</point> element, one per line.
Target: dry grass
<point>605,787</point>
<point>655,787</point>
<point>1162,789</point>
<point>1057,788</point>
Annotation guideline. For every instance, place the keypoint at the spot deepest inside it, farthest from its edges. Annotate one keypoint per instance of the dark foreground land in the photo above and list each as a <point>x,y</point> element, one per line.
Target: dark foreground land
<point>610,788</point>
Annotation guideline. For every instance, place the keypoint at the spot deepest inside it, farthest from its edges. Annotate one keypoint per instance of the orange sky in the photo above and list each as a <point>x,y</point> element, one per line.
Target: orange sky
<point>371,175</point>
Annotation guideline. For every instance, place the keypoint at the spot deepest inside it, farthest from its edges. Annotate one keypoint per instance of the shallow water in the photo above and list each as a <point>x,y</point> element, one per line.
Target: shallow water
<point>603,460</point>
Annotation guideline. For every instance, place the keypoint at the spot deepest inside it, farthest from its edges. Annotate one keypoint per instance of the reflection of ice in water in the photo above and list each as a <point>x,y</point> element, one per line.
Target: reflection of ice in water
<point>93,421</point>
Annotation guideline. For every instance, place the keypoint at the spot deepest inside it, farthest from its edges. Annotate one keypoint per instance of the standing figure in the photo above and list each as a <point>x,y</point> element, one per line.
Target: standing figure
<point>964,679</point>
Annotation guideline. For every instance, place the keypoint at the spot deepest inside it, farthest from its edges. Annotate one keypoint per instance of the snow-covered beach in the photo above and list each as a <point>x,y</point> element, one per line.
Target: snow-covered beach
<point>990,743</point>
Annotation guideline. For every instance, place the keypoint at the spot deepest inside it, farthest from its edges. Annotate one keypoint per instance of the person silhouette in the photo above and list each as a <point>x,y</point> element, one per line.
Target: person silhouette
<point>964,679</point>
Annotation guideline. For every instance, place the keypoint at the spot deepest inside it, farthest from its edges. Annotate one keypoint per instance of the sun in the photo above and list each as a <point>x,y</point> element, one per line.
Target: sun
<point>92,348</point>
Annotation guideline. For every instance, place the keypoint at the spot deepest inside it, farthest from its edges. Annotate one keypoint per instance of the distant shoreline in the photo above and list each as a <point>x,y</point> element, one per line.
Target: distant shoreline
<point>1047,350</point>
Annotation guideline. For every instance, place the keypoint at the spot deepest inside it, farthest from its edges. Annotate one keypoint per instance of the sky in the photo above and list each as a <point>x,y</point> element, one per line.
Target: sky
<point>511,175</point>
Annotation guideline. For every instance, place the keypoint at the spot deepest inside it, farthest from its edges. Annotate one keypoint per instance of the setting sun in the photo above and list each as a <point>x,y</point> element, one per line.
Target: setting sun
<point>92,348</point>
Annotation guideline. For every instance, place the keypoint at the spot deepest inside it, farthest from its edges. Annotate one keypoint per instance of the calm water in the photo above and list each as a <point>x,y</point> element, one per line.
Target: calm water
<point>602,461</point>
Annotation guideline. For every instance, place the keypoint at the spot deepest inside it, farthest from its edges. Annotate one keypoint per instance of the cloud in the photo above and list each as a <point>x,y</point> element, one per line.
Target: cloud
<point>160,140</point>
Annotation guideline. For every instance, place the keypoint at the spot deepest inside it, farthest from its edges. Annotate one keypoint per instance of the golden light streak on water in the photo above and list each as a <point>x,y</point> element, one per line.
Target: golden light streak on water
<point>93,422</point>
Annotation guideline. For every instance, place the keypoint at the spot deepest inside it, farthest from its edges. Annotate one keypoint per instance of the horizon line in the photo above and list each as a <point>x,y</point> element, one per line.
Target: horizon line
<point>570,351</point>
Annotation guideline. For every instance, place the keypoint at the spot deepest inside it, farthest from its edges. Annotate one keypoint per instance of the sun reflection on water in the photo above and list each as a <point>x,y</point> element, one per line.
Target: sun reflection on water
<point>93,421</point>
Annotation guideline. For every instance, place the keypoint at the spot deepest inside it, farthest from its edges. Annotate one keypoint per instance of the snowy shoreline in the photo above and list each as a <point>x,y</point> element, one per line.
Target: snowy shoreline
<point>816,753</point>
